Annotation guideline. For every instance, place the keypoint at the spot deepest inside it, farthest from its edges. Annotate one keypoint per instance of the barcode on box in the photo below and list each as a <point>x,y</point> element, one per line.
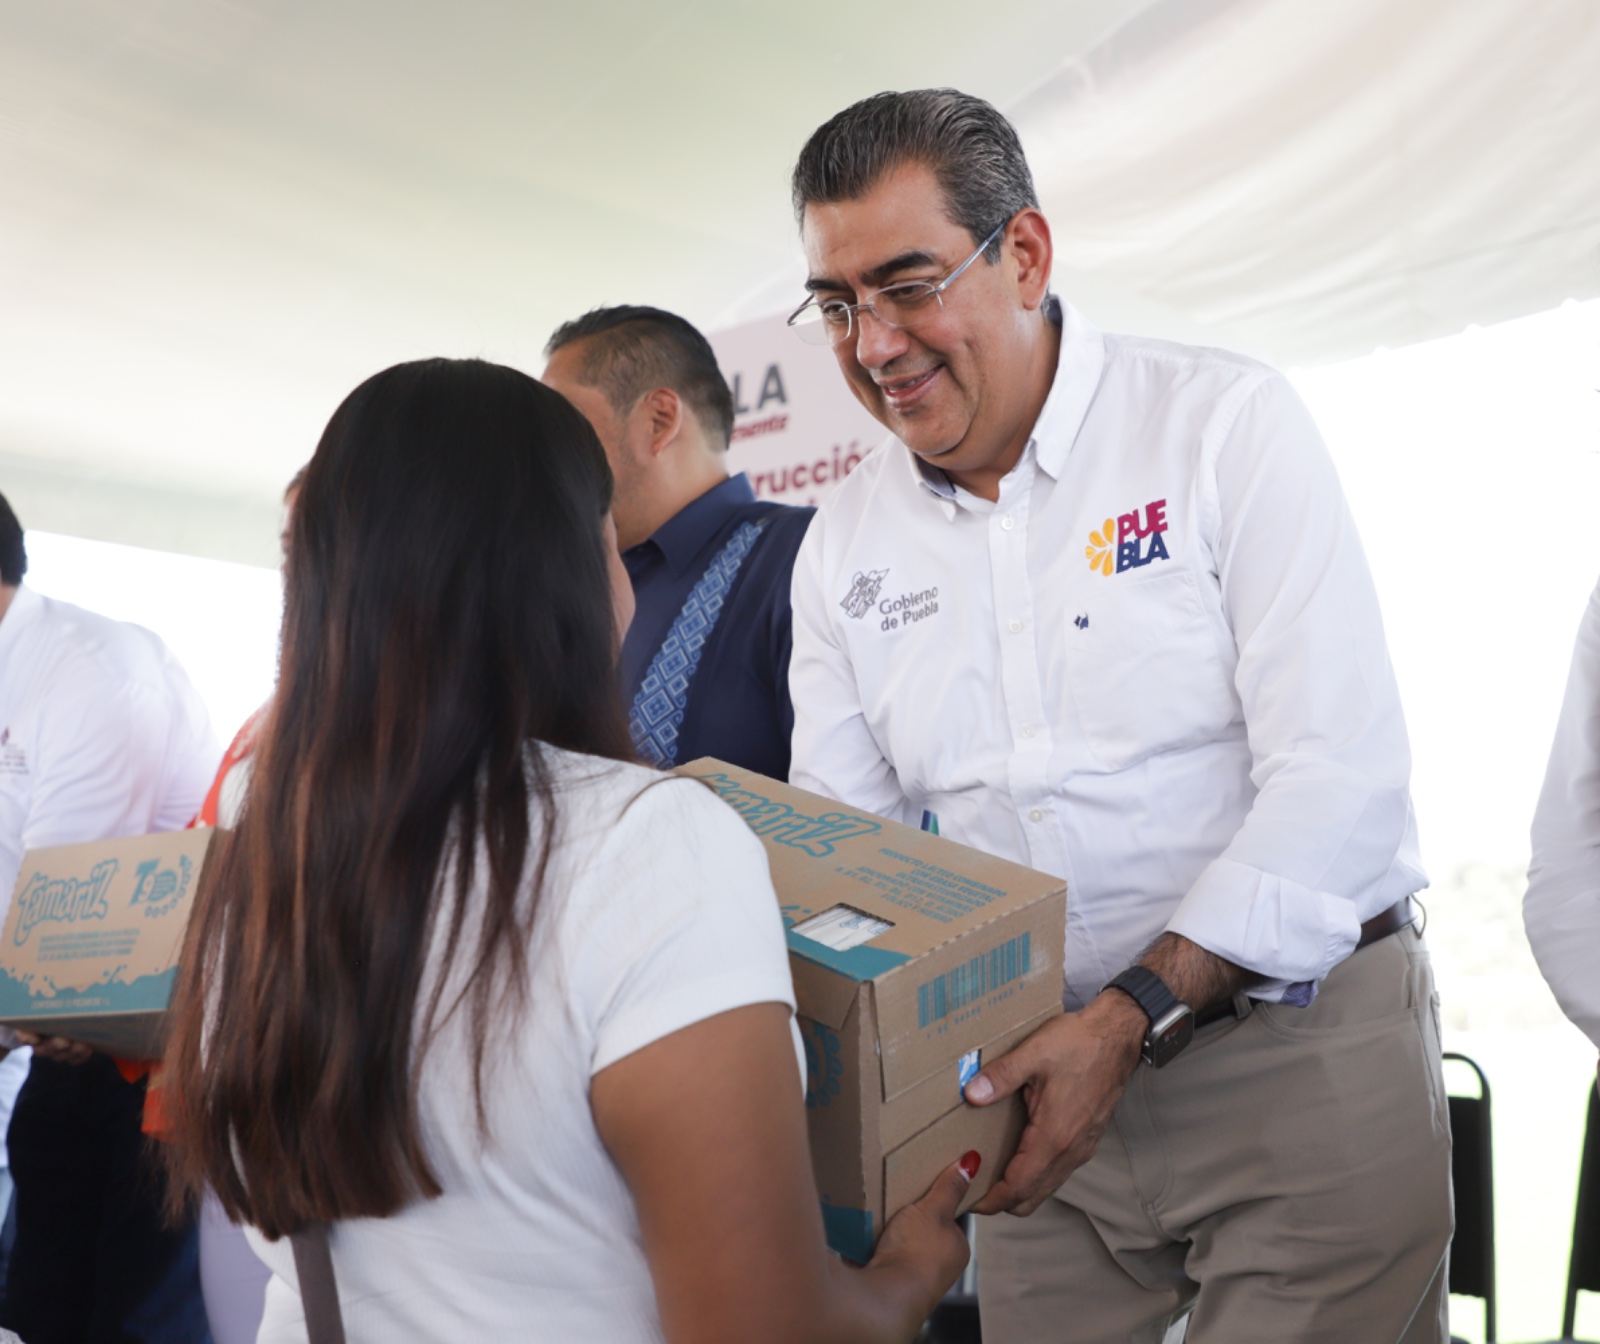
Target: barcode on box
<point>956,988</point>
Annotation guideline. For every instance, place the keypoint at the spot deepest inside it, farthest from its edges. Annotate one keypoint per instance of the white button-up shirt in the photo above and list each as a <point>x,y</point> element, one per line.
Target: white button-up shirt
<point>1154,666</point>
<point>1562,907</point>
<point>101,732</point>
<point>101,735</point>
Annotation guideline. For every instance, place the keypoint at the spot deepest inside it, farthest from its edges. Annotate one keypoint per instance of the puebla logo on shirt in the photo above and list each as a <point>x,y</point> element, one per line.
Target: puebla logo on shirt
<point>1121,543</point>
<point>13,759</point>
<point>863,592</point>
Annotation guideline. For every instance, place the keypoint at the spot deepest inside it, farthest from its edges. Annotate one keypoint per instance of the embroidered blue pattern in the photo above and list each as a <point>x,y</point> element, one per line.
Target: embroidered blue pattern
<point>657,714</point>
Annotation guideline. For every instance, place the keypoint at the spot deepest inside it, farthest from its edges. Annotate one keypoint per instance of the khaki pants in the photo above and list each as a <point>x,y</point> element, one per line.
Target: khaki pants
<point>1287,1178</point>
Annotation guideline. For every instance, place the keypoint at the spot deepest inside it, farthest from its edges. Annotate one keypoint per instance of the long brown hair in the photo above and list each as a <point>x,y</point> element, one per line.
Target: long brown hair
<point>447,614</point>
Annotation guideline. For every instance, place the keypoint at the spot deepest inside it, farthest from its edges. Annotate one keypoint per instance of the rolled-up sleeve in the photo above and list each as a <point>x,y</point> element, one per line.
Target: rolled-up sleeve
<point>1562,906</point>
<point>1330,839</point>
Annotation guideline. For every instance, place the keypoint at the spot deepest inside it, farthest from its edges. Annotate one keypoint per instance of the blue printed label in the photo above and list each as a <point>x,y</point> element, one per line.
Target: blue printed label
<point>160,889</point>
<point>967,1068</point>
<point>63,900</point>
<point>782,825</point>
<point>849,1232</point>
<point>824,1064</point>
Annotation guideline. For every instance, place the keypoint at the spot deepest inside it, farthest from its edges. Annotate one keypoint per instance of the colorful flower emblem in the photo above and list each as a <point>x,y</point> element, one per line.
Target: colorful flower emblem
<point>1102,547</point>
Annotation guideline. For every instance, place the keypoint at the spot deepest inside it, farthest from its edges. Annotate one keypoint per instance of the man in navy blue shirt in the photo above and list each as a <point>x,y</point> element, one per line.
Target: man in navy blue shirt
<point>705,665</point>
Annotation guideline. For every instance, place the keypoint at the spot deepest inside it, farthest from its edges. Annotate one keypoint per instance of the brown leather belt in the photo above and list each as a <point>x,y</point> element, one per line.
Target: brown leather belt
<point>1375,930</point>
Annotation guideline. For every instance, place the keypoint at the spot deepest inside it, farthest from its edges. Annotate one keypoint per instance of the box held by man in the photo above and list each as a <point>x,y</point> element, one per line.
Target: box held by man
<point>915,961</point>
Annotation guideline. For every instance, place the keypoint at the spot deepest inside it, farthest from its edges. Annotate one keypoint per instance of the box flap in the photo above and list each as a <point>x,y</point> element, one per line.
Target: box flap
<point>993,1131</point>
<point>940,1092</point>
<point>823,854</point>
<point>820,993</point>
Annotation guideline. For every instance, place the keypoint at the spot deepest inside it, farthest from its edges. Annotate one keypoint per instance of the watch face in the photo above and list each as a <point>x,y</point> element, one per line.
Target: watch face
<point>1167,1038</point>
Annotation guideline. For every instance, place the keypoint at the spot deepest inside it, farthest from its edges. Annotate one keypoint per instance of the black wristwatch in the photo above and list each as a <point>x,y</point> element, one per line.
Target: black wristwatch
<point>1171,1020</point>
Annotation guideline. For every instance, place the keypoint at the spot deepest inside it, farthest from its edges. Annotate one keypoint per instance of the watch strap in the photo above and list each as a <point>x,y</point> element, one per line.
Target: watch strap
<point>1148,990</point>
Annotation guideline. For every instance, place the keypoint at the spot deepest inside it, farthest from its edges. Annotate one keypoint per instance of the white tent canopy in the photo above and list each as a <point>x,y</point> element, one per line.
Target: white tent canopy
<point>1310,180</point>
<point>216,216</point>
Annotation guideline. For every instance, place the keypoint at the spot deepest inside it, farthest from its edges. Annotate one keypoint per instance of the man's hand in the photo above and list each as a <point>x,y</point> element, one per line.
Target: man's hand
<point>1072,1071</point>
<point>58,1048</point>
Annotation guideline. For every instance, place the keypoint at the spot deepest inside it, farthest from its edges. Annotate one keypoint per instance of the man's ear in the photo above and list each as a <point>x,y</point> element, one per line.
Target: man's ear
<point>1032,253</point>
<point>664,409</point>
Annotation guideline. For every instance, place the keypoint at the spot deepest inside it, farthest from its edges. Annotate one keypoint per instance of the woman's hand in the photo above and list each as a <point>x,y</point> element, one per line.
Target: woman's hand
<point>924,1242</point>
<point>708,1127</point>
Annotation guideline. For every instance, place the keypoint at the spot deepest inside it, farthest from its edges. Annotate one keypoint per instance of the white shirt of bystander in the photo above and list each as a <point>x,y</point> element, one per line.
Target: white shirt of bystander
<point>101,735</point>
<point>1562,907</point>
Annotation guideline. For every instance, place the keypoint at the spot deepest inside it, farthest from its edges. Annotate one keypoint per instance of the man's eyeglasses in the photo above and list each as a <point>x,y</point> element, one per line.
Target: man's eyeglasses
<point>830,321</point>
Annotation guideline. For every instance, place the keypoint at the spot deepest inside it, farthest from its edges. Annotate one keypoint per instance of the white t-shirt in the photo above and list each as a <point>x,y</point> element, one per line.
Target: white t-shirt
<point>101,735</point>
<point>658,912</point>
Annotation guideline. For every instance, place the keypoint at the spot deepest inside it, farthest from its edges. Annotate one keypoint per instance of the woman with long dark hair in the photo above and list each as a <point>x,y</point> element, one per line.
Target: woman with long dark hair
<point>509,1014</point>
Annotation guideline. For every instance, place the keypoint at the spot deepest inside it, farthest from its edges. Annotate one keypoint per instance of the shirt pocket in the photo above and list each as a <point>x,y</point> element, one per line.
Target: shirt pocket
<point>1145,672</point>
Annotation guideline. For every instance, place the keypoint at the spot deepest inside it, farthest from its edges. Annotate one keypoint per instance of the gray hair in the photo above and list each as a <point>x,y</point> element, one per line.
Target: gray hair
<point>972,150</point>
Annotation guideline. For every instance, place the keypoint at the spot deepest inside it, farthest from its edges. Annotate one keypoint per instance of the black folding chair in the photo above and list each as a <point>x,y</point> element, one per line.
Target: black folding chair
<point>1583,1269</point>
<point>1472,1176</point>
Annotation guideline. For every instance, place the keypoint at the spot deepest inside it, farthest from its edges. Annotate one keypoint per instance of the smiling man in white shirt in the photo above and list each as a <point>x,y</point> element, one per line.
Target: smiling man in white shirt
<point>1099,606</point>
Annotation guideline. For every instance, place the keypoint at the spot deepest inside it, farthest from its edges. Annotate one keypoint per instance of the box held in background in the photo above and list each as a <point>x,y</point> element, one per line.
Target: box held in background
<point>91,941</point>
<point>915,961</point>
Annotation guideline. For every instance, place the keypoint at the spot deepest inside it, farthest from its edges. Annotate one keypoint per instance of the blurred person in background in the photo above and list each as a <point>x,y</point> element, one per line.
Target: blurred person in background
<point>705,666</point>
<point>101,735</point>
<point>1128,637</point>
<point>1562,904</point>
<point>508,1014</point>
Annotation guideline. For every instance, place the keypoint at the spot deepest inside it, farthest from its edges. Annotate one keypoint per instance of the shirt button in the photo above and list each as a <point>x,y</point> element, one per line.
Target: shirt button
<point>1029,731</point>
<point>1037,814</point>
<point>1007,523</point>
<point>1015,627</point>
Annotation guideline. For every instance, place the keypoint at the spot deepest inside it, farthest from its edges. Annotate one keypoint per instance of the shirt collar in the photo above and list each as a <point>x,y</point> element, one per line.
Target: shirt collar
<point>1078,367</point>
<point>685,534</point>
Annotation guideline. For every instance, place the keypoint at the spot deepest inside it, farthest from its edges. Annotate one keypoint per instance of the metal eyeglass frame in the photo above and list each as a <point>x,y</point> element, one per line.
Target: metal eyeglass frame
<point>934,290</point>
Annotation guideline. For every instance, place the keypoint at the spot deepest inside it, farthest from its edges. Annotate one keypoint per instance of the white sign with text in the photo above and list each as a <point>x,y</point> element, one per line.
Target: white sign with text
<point>798,429</point>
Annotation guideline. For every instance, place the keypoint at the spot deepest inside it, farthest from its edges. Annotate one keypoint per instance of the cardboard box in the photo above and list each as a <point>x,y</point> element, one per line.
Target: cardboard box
<point>91,941</point>
<point>915,960</point>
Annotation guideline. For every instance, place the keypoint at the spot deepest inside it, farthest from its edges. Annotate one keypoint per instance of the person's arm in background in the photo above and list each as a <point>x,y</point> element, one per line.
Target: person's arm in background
<point>1562,907</point>
<point>833,751</point>
<point>1327,831</point>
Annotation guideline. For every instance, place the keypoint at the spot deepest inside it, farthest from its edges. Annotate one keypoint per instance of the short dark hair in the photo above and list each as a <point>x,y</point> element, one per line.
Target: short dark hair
<point>632,350</point>
<point>13,554</point>
<point>971,149</point>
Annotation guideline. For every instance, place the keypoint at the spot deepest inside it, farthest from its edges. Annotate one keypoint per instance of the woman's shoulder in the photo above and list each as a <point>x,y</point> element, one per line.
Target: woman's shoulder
<point>615,803</point>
